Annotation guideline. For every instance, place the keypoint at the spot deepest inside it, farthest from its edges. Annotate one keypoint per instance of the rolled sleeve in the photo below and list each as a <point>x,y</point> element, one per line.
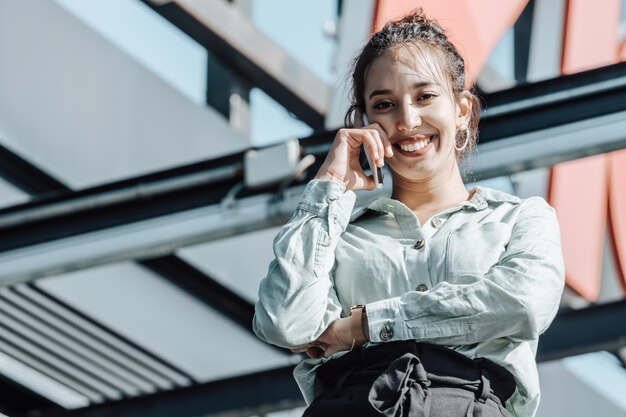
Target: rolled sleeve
<point>328,199</point>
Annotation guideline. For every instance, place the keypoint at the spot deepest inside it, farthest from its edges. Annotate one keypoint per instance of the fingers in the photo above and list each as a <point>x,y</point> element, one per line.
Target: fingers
<point>315,352</point>
<point>379,144</point>
<point>380,136</point>
<point>372,143</point>
<point>342,163</point>
<point>383,140</point>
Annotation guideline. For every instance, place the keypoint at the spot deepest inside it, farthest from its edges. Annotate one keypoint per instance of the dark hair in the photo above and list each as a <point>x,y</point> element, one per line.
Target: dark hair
<point>416,28</point>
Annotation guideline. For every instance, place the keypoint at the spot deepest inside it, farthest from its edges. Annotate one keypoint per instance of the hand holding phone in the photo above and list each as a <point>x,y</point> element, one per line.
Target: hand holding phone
<point>346,162</point>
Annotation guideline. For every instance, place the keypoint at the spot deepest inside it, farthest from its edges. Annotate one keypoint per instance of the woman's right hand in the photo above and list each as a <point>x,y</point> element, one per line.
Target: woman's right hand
<point>342,162</point>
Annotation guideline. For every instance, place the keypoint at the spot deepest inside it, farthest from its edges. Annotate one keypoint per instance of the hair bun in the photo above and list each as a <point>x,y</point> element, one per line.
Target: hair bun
<point>417,17</point>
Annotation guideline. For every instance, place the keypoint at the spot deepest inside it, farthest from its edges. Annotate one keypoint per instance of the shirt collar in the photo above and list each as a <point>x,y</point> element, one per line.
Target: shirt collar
<point>478,201</point>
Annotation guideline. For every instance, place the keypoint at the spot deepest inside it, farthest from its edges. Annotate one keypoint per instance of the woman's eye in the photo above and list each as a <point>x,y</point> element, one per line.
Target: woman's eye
<point>382,105</point>
<point>427,96</point>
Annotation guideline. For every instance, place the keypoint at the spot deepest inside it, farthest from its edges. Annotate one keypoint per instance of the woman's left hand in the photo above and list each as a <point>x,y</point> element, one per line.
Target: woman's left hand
<point>342,334</point>
<point>334,339</point>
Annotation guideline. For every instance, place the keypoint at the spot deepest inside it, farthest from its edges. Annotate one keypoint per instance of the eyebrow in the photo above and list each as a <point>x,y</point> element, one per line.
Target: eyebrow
<point>387,91</point>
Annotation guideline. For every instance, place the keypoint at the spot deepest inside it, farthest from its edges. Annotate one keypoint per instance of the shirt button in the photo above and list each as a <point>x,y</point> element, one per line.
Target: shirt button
<point>421,288</point>
<point>436,222</point>
<point>330,199</point>
<point>386,333</point>
<point>419,244</point>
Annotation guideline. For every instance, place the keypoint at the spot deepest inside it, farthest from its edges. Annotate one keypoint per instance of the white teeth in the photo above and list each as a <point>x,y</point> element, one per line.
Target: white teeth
<point>411,147</point>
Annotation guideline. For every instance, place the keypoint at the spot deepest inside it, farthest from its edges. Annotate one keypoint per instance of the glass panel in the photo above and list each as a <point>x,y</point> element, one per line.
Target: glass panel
<point>502,58</point>
<point>272,123</point>
<point>150,39</point>
<point>499,70</point>
<point>299,27</point>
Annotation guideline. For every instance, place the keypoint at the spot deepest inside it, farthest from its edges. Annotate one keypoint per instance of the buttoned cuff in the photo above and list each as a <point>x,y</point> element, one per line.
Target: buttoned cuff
<point>328,199</point>
<point>384,320</point>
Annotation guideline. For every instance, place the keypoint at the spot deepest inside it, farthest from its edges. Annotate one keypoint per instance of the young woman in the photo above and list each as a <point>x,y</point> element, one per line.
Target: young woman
<point>450,289</point>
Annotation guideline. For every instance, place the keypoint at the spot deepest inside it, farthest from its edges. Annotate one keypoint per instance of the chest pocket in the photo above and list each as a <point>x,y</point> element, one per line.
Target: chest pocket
<point>474,248</point>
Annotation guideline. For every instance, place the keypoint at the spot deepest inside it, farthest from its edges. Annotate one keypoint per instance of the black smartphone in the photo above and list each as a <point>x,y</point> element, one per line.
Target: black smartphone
<point>377,173</point>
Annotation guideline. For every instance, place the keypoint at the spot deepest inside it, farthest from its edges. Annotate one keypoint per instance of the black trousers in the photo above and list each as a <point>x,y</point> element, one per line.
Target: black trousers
<point>408,379</point>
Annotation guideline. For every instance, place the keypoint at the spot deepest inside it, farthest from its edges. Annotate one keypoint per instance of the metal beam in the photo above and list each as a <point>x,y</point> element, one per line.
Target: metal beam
<point>140,239</point>
<point>127,201</point>
<point>555,102</point>
<point>93,209</point>
<point>248,395</point>
<point>526,127</point>
<point>19,172</point>
<point>544,123</point>
<point>604,328</point>
<point>231,37</point>
<point>33,180</point>
<point>549,146</point>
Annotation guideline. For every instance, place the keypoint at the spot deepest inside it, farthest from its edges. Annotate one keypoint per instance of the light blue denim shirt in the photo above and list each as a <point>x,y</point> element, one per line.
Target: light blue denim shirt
<point>483,278</point>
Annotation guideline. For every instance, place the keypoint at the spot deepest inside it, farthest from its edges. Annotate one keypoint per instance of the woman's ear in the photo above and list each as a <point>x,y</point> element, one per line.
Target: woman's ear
<point>463,109</point>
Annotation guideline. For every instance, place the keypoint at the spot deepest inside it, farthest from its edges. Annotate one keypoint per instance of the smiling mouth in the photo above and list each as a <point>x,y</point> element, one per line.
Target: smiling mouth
<point>414,147</point>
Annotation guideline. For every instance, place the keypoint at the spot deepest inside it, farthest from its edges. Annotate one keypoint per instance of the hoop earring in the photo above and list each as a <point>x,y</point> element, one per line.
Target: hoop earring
<point>467,136</point>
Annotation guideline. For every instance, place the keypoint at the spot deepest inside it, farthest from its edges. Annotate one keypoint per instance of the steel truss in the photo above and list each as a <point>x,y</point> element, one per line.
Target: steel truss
<point>535,125</point>
<point>248,395</point>
<point>528,126</point>
<point>605,328</point>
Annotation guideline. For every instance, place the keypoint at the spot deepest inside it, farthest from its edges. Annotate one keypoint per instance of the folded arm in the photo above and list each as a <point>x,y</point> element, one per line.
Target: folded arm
<point>517,298</point>
<point>297,299</point>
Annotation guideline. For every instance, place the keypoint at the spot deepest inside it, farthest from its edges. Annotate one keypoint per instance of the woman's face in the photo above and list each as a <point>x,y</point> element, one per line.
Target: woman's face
<point>406,94</point>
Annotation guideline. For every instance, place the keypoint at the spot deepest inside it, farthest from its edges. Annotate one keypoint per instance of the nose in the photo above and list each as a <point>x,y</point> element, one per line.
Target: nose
<point>408,117</point>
